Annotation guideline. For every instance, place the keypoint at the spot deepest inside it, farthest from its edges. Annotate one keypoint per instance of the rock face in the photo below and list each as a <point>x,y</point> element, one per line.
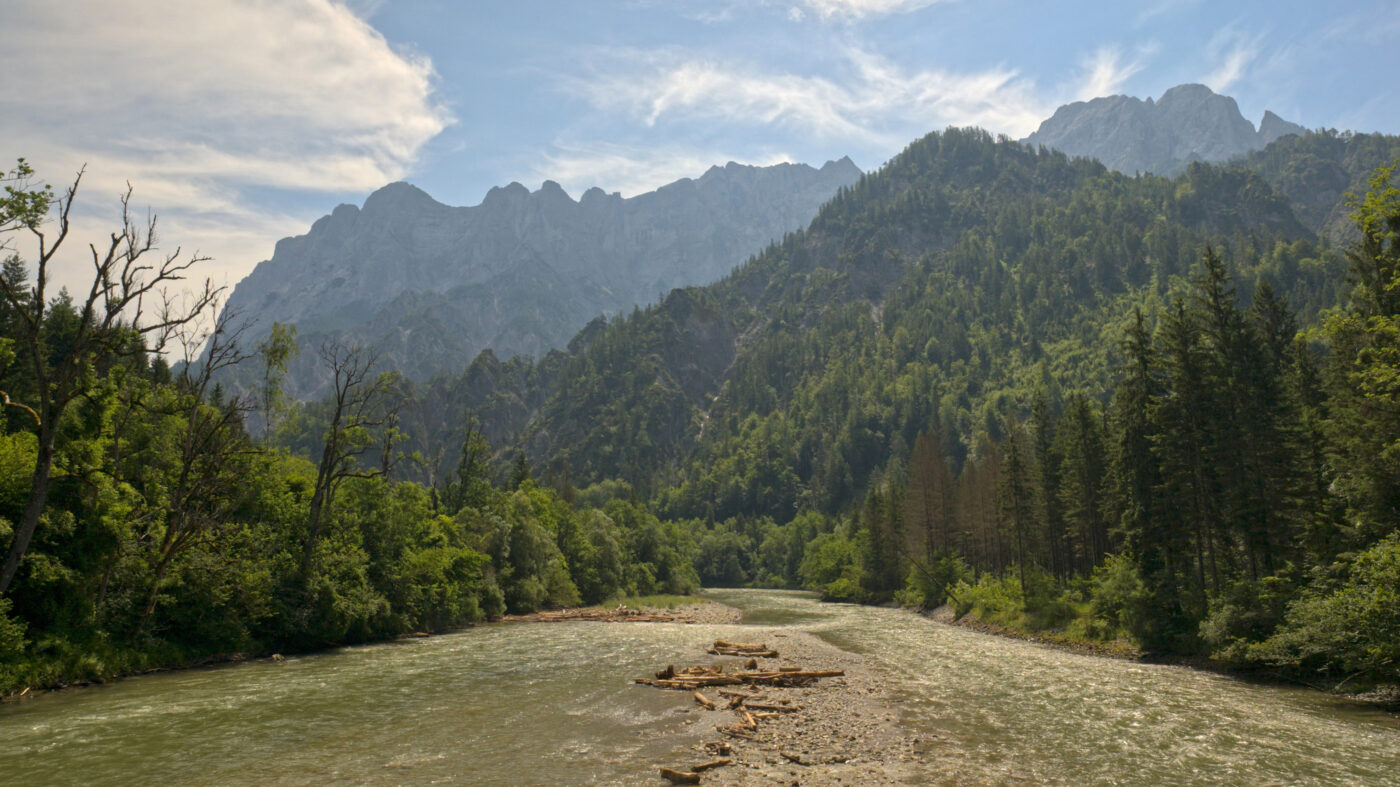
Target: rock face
<point>1188,123</point>
<point>428,286</point>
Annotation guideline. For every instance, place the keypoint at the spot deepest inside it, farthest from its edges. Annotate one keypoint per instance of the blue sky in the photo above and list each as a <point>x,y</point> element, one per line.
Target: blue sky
<point>241,121</point>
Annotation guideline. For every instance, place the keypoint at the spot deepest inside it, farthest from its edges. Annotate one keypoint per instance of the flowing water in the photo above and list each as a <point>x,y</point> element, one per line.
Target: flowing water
<point>552,704</point>
<point>1006,710</point>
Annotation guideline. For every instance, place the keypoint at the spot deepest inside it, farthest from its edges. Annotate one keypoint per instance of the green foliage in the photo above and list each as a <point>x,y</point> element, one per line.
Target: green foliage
<point>23,204</point>
<point>832,565</point>
<point>1068,400</point>
<point>1118,597</point>
<point>930,587</point>
<point>1351,627</point>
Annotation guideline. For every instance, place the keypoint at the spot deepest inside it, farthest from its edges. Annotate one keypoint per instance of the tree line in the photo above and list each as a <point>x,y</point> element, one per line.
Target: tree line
<point>147,523</point>
<point>1235,494</point>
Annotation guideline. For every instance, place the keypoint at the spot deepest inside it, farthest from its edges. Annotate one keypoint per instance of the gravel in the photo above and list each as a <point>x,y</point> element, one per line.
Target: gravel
<point>846,730</point>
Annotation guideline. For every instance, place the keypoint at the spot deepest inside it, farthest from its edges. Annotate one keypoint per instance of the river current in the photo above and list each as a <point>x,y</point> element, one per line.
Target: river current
<point>554,704</point>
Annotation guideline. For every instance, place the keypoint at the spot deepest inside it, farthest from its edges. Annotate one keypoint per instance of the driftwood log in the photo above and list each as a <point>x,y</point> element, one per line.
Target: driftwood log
<point>759,650</point>
<point>680,777</point>
<point>789,678</point>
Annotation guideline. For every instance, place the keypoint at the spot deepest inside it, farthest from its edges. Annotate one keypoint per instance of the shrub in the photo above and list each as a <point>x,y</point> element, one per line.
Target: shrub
<point>1353,628</point>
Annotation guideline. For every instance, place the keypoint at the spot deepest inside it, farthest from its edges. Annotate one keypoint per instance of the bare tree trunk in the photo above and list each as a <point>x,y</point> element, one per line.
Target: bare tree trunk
<point>29,520</point>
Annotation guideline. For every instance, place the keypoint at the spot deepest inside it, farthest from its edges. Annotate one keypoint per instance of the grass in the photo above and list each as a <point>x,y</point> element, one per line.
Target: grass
<point>655,602</point>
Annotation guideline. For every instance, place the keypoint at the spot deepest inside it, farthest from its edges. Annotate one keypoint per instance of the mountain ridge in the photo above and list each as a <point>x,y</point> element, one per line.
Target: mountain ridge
<point>1189,122</point>
<point>599,254</point>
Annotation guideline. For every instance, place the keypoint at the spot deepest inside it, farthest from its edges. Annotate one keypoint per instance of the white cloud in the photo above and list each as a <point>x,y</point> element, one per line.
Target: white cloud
<point>634,170</point>
<point>204,106</point>
<point>1104,72</point>
<point>1233,53</point>
<point>860,9</point>
<point>873,102</point>
<point>1161,8</point>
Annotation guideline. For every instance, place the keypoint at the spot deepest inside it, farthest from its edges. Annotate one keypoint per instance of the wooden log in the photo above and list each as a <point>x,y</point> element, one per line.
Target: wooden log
<point>705,766</point>
<point>793,758</point>
<point>680,777</point>
<point>735,702</point>
<point>753,723</point>
<point>693,683</point>
<point>758,715</point>
<point>762,654</point>
<point>786,668</point>
<point>772,708</point>
<point>735,732</point>
<point>698,670</point>
<point>703,700</point>
<point>667,674</point>
<point>830,673</point>
<point>720,643</point>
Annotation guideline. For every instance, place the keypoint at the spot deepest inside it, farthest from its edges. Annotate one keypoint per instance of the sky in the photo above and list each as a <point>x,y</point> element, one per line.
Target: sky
<point>239,122</point>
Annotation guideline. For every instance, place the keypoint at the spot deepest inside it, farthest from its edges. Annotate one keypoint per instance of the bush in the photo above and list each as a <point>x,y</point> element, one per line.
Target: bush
<point>1247,612</point>
<point>843,589</point>
<point>1118,597</point>
<point>931,587</point>
<point>1352,629</point>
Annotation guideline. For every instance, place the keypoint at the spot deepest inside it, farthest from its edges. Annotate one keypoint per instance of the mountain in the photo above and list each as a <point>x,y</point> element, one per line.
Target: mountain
<point>1317,171</point>
<point>1188,123</point>
<point>938,293</point>
<point>429,286</point>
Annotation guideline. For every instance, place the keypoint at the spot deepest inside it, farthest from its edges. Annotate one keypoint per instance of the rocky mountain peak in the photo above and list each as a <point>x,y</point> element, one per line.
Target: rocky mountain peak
<point>430,285</point>
<point>1273,127</point>
<point>398,197</point>
<point>1187,123</point>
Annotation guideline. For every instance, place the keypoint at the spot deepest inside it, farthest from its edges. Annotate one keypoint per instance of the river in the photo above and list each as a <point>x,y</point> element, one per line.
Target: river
<point>552,703</point>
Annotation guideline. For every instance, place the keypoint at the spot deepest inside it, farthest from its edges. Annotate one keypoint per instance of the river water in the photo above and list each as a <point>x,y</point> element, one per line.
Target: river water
<point>553,704</point>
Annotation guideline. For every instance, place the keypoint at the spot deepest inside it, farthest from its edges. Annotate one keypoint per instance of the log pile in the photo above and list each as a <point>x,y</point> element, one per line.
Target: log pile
<point>750,707</point>
<point>694,678</point>
<point>621,614</point>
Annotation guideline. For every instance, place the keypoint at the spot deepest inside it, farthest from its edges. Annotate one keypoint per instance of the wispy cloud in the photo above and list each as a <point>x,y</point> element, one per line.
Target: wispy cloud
<point>869,100</point>
<point>1162,8</point>
<point>205,106</point>
<point>859,9</point>
<point>1104,71</point>
<point>634,170</point>
<point>1232,53</point>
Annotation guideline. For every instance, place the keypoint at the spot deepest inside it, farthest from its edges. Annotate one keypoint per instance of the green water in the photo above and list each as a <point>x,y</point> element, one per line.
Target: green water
<point>553,704</point>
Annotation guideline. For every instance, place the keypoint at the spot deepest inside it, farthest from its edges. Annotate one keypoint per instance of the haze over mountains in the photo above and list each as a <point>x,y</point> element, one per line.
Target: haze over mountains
<point>1188,123</point>
<point>428,286</point>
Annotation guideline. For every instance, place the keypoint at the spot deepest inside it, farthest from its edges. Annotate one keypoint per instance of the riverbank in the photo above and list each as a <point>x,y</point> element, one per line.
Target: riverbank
<point>1384,697</point>
<point>72,670</point>
<point>1112,650</point>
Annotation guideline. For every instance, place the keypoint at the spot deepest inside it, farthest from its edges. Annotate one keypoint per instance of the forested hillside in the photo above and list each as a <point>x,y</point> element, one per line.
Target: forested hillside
<point>145,527</point>
<point>972,320</point>
<point>1139,408</point>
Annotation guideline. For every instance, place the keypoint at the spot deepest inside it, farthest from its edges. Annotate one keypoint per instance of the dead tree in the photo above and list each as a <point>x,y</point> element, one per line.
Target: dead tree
<point>362,402</point>
<point>127,309</point>
<point>212,443</point>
